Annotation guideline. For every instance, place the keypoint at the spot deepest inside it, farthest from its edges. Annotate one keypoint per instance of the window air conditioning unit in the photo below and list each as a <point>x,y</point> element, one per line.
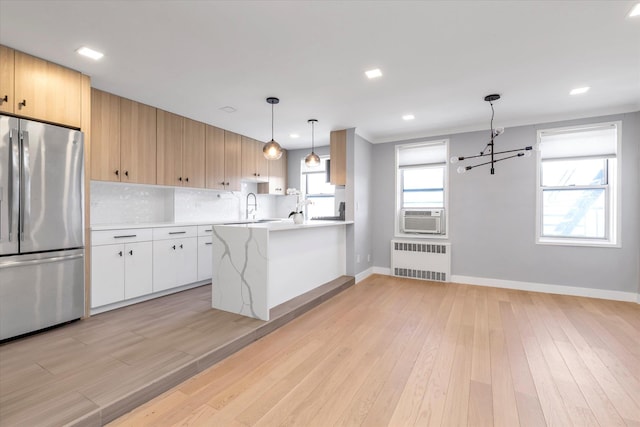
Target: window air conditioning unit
<point>422,221</point>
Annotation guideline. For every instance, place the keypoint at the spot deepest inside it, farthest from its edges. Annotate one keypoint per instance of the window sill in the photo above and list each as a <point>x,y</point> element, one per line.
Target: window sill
<point>421,236</point>
<point>577,242</point>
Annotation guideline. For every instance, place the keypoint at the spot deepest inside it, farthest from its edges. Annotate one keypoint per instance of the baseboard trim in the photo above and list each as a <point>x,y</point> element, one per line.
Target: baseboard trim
<point>382,270</point>
<point>547,288</point>
<point>536,287</point>
<point>364,274</point>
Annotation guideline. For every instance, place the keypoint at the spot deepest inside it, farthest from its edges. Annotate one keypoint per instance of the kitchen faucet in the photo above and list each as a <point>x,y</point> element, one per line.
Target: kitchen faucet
<point>254,204</point>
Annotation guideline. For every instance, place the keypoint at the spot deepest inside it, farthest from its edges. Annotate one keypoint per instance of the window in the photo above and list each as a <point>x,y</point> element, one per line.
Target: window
<point>315,186</point>
<point>421,176</point>
<point>578,185</point>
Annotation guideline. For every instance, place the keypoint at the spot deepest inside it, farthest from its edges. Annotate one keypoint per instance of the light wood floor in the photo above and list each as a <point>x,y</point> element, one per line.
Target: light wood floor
<point>90,372</point>
<point>402,352</point>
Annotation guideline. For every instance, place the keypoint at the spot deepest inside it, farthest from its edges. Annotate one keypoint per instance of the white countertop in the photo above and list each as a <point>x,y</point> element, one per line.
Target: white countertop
<point>288,224</point>
<point>283,224</point>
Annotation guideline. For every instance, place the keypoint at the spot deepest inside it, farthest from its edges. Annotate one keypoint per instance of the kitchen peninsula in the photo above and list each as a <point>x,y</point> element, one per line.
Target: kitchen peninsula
<point>261,265</point>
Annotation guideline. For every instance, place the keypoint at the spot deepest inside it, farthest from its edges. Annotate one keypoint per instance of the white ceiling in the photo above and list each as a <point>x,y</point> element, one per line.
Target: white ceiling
<point>439,60</point>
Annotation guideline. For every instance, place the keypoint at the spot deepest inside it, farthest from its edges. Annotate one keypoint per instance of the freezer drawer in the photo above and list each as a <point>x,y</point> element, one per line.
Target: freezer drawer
<point>40,290</point>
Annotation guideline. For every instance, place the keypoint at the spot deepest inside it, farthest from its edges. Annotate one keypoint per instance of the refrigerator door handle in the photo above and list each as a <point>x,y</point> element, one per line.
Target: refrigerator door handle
<point>25,212</point>
<point>14,179</point>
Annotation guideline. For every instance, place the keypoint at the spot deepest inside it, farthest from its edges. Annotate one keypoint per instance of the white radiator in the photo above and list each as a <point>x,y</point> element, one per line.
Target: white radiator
<point>418,260</point>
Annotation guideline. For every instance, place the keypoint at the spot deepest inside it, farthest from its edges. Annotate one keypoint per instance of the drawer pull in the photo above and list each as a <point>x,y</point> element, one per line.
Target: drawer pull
<point>124,236</point>
<point>208,231</point>
<point>208,243</point>
<point>177,232</point>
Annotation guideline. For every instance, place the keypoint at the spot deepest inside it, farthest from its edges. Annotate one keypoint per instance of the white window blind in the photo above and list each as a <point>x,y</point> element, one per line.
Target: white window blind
<point>580,143</point>
<point>422,155</point>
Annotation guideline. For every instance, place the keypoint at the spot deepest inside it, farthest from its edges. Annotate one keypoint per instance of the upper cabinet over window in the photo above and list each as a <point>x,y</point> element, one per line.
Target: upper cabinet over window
<point>123,139</point>
<point>338,155</point>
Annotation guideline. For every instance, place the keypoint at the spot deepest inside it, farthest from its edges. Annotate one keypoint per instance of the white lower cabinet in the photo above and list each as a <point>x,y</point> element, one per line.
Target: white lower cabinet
<point>120,271</point>
<point>133,263</point>
<point>205,258</point>
<point>205,252</point>
<point>175,263</point>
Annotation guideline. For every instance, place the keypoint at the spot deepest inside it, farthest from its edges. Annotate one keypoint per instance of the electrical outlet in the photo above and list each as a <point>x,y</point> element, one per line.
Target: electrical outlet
<point>369,258</point>
<point>358,258</point>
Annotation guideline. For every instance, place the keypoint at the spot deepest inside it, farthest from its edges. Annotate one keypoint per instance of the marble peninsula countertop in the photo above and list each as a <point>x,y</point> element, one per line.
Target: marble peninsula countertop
<point>274,225</point>
<point>287,224</point>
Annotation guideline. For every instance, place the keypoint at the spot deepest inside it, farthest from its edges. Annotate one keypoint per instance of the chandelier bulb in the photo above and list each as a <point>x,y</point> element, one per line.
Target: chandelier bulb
<point>461,169</point>
<point>454,159</point>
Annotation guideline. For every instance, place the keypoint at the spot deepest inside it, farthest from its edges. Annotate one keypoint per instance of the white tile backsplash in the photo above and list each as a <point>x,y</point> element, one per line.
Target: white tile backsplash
<point>115,203</point>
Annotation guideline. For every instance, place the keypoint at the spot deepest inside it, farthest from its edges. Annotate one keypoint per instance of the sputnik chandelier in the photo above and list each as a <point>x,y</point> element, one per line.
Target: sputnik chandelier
<point>489,149</point>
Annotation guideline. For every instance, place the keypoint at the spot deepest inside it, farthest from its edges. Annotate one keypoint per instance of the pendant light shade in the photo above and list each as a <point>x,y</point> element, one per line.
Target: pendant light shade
<point>312,160</point>
<point>272,150</point>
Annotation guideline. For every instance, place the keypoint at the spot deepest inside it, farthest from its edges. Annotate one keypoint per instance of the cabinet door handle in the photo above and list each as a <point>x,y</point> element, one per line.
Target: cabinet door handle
<point>180,178</point>
<point>131,252</point>
<point>226,183</point>
<point>126,173</point>
<point>120,253</point>
<point>173,247</point>
<point>181,247</point>
<point>177,232</point>
<point>223,183</point>
<point>22,104</point>
<point>187,179</point>
<point>5,99</point>
<point>117,172</point>
<point>124,236</point>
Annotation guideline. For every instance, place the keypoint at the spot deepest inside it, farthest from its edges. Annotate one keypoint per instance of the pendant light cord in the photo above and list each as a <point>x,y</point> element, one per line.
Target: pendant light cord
<point>312,137</point>
<point>272,122</point>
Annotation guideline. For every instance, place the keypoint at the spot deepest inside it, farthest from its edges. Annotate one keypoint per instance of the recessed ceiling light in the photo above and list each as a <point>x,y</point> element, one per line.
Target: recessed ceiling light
<point>635,11</point>
<point>407,117</point>
<point>375,73</point>
<point>579,90</point>
<point>90,53</point>
<point>294,135</point>
<point>228,109</point>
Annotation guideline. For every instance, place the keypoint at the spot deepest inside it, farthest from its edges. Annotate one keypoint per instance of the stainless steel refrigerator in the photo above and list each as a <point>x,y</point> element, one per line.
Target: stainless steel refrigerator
<point>41,226</point>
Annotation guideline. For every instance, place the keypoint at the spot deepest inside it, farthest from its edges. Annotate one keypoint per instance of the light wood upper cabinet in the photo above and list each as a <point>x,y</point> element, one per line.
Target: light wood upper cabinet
<point>123,139</point>
<point>338,155</point>
<point>137,142</point>
<point>180,156</point>
<point>223,161</point>
<point>193,167</point>
<point>105,136</point>
<point>46,91</point>
<point>7,82</point>
<point>169,146</point>
<point>277,177</point>
<point>232,160</point>
<point>255,166</point>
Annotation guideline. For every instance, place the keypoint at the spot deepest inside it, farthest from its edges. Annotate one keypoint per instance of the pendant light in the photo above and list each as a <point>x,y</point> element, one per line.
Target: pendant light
<point>272,150</point>
<point>312,160</point>
<point>488,150</point>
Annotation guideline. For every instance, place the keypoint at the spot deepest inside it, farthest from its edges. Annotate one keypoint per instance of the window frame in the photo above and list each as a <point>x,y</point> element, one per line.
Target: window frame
<point>304,188</point>
<point>398,188</point>
<point>612,191</point>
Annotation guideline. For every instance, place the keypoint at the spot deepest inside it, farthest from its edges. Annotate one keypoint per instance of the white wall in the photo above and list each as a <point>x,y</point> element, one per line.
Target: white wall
<point>492,218</point>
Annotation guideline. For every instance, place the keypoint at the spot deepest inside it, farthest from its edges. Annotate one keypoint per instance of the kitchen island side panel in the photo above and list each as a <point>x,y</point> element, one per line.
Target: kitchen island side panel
<point>239,283</point>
